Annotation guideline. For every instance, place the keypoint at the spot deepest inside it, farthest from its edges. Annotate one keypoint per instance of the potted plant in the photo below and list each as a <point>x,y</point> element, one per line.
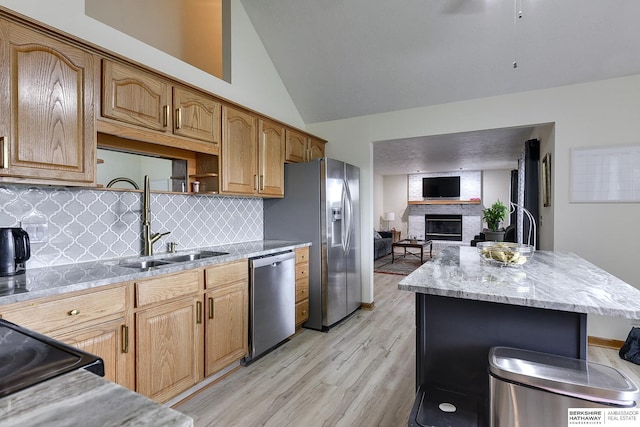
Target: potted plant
<point>494,216</point>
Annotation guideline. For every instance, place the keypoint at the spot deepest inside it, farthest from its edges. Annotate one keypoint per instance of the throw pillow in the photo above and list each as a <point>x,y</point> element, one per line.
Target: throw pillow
<point>376,235</point>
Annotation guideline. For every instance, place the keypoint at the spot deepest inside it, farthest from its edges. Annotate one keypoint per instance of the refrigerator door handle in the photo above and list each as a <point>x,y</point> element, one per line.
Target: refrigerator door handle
<point>343,223</point>
<point>348,214</point>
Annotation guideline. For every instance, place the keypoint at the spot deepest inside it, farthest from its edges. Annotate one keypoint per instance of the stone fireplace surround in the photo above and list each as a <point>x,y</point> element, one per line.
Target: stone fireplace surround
<point>470,187</point>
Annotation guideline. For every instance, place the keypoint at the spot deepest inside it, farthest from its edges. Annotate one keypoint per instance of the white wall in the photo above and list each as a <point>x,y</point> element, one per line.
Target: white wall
<point>496,185</point>
<point>592,114</point>
<point>395,200</point>
<point>545,224</point>
<point>255,82</point>
<point>378,201</point>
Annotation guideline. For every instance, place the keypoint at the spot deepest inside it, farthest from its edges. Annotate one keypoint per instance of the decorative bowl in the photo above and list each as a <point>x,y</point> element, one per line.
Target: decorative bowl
<point>505,253</point>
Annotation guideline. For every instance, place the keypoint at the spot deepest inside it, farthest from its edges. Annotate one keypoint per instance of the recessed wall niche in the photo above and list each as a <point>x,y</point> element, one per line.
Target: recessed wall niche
<point>194,31</point>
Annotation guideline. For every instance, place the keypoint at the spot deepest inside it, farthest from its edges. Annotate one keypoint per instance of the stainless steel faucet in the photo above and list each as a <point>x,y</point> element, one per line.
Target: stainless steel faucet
<point>148,238</point>
<point>123,179</point>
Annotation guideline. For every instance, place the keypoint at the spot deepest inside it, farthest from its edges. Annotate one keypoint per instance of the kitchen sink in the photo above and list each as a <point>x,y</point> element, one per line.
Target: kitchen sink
<point>193,257</point>
<point>169,260</point>
<point>143,265</point>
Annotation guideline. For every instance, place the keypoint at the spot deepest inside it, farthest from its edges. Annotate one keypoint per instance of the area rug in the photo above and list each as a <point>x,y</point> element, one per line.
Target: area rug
<point>402,265</point>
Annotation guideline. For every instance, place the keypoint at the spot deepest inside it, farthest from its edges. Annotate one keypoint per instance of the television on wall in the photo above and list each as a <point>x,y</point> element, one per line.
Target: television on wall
<point>441,186</point>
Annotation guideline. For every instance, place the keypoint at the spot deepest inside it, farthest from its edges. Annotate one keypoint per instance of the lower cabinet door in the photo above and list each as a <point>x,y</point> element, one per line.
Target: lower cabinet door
<point>168,348</point>
<point>110,342</point>
<point>227,323</point>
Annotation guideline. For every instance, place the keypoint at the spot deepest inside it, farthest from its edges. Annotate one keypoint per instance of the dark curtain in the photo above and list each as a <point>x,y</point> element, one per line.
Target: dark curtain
<point>531,183</point>
<point>513,219</point>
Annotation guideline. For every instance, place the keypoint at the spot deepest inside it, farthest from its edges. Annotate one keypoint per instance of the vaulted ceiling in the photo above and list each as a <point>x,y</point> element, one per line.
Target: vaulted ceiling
<point>347,58</point>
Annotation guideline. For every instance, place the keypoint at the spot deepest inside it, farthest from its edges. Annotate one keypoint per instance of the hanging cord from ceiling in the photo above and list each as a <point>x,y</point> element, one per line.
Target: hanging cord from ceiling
<point>517,15</point>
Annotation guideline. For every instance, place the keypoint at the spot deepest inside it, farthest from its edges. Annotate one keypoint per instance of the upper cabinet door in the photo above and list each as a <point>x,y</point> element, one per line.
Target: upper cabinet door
<point>316,149</point>
<point>296,147</point>
<point>239,154</point>
<point>135,97</point>
<point>196,116</point>
<point>47,108</point>
<point>271,147</point>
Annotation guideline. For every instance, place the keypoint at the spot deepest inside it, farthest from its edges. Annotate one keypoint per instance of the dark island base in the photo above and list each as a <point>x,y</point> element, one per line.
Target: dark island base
<point>453,338</point>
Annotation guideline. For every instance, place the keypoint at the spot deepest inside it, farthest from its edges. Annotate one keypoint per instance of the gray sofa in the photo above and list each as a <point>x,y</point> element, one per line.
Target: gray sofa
<point>382,241</point>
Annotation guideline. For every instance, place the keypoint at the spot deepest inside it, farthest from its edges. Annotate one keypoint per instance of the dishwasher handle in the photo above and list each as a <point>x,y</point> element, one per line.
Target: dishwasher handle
<point>272,259</point>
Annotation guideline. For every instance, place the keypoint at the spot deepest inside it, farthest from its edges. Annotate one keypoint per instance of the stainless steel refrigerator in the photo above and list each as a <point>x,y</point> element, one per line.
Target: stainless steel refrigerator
<point>321,205</point>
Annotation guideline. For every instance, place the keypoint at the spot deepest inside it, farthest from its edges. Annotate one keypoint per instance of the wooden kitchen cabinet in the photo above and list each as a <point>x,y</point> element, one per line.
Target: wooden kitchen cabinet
<point>296,147</point>
<point>135,97</point>
<point>96,321</point>
<point>139,98</point>
<point>302,285</point>
<point>252,155</point>
<point>167,349</point>
<point>227,318</point>
<point>238,152</point>
<point>302,148</point>
<point>196,116</point>
<point>169,336</point>
<point>113,342</point>
<point>271,150</point>
<point>47,132</point>
<point>315,148</point>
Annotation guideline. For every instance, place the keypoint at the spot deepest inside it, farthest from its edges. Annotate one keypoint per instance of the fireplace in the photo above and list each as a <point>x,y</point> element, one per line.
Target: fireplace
<point>443,227</point>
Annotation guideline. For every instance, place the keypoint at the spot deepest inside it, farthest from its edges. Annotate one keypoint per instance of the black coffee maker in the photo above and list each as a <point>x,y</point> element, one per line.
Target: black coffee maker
<point>15,250</point>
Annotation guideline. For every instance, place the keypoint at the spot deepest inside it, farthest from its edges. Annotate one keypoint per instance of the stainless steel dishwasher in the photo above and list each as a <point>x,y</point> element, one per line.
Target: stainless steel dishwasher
<point>272,305</point>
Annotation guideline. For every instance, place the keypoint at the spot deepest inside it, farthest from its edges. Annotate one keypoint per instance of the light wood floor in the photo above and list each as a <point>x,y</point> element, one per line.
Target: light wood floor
<point>361,373</point>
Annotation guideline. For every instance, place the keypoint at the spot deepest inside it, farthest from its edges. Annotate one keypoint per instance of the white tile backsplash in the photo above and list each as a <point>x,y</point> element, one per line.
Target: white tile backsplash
<point>86,225</point>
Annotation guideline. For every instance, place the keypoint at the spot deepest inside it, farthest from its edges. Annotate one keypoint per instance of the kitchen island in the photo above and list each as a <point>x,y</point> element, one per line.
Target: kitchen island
<point>465,306</point>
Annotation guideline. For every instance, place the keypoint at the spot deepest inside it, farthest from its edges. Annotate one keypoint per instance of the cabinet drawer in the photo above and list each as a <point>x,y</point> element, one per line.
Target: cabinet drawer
<point>302,311</point>
<point>302,271</point>
<point>167,287</point>
<point>302,289</point>
<point>226,273</point>
<point>61,313</point>
<point>302,254</point>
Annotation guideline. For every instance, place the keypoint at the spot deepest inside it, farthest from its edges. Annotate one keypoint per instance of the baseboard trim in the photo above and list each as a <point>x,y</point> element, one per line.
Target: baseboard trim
<point>367,306</point>
<point>605,342</point>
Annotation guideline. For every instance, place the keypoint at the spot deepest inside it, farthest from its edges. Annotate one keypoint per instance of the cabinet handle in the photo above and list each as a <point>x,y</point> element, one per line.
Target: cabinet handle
<point>5,153</point>
<point>210,308</point>
<point>178,118</point>
<point>261,182</point>
<point>165,115</point>
<point>125,339</point>
<point>74,312</point>
<point>198,312</point>
<point>255,182</point>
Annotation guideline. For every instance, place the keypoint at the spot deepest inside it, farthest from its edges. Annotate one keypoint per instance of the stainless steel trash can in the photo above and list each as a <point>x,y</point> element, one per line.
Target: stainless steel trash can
<point>529,388</point>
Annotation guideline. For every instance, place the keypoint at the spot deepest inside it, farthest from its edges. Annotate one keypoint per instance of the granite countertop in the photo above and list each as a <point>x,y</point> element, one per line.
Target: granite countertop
<point>550,280</point>
<point>81,398</point>
<point>48,281</point>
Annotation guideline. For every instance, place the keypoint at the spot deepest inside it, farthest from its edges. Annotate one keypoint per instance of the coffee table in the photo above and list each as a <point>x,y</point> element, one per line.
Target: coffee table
<point>418,244</point>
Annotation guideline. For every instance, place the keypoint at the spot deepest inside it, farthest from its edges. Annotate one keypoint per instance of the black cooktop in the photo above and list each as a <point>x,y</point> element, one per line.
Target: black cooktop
<point>28,358</point>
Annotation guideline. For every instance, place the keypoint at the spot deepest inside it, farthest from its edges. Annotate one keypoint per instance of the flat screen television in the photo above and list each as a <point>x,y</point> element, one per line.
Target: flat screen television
<point>441,186</point>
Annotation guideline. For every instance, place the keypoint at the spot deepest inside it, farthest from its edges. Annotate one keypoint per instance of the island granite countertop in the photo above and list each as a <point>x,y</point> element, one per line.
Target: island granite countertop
<point>549,280</point>
<point>48,281</point>
<point>81,398</point>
